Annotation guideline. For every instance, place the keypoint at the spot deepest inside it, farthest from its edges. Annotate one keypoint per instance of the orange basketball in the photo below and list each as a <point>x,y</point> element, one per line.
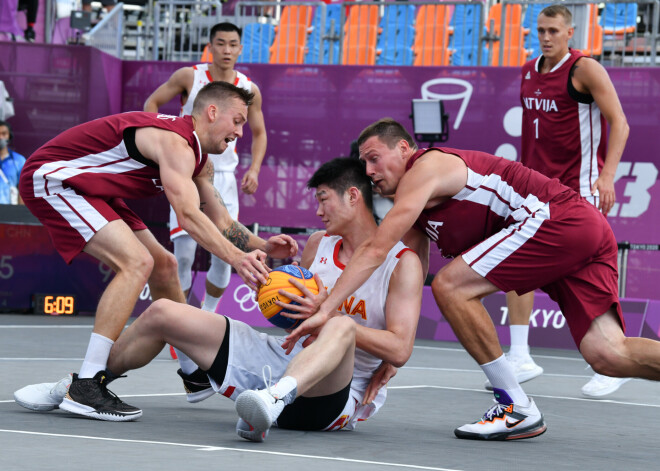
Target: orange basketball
<point>279,279</point>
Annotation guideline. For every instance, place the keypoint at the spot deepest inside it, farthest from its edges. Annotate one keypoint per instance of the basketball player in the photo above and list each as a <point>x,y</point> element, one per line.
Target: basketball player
<point>326,383</point>
<point>567,99</point>
<point>75,185</point>
<point>225,46</point>
<point>499,219</point>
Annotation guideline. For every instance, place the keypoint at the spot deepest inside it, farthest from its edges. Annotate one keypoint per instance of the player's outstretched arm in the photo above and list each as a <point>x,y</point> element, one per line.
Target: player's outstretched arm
<point>255,118</point>
<point>176,162</point>
<point>279,246</point>
<point>179,83</point>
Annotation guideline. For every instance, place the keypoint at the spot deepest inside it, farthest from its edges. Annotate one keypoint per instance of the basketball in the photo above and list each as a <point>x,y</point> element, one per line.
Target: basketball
<point>279,279</point>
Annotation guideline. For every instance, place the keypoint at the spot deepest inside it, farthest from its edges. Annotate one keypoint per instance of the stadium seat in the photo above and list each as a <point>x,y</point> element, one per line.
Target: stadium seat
<point>619,18</point>
<point>397,33</point>
<point>319,43</point>
<point>465,42</point>
<point>432,29</point>
<point>291,35</point>
<point>512,38</point>
<point>257,38</point>
<point>360,34</point>
<point>595,34</point>
<point>530,24</point>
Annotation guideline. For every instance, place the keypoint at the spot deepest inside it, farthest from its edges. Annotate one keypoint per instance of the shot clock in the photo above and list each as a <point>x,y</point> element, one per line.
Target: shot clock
<point>55,304</point>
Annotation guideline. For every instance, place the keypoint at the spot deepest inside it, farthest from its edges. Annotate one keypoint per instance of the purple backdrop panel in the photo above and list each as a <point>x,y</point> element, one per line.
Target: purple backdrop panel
<point>29,265</point>
<point>548,328</point>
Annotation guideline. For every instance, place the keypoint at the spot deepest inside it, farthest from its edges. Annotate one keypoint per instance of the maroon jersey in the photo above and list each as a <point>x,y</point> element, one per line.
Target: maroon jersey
<point>498,193</point>
<point>99,158</point>
<point>564,134</point>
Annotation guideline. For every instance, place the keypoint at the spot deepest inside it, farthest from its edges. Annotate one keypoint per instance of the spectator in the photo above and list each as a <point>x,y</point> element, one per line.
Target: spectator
<point>11,163</point>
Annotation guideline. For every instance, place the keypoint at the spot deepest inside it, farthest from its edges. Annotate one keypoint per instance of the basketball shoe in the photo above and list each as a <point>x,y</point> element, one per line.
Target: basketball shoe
<point>197,385</point>
<point>245,430</point>
<point>524,369</point>
<point>600,385</point>
<point>92,398</point>
<point>43,396</point>
<point>505,422</point>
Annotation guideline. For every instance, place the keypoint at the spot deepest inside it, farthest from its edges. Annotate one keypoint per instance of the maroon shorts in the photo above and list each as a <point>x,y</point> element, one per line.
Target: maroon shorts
<point>72,219</point>
<point>568,250</point>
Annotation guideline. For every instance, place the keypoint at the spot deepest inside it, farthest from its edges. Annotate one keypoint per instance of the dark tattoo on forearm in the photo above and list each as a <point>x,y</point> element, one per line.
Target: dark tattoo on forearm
<point>238,235</point>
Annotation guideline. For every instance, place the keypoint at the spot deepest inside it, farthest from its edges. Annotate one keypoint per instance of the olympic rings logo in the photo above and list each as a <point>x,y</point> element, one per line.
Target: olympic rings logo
<point>247,300</point>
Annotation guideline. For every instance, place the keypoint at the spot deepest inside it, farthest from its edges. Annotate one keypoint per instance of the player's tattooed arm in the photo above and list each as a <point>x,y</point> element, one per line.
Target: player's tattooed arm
<point>209,175</point>
<point>238,235</point>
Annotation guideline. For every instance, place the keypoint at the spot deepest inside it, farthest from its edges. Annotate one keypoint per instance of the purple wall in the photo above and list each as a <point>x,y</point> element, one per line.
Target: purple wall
<point>313,113</point>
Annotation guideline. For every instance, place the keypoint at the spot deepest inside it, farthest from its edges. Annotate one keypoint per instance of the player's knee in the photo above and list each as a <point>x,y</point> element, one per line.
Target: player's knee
<point>155,316</point>
<point>139,266</point>
<point>443,288</point>
<point>165,268</point>
<point>604,358</point>
<point>343,327</point>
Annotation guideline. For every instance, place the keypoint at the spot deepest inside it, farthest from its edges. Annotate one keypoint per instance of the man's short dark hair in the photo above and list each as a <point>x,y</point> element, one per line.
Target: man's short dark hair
<point>556,10</point>
<point>342,173</point>
<point>225,27</point>
<point>220,92</point>
<point>388,131</point>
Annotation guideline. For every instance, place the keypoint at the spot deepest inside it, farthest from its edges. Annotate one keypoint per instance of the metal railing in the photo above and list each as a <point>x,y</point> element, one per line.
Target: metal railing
<point>181,28</point>
<point>632,46</point>
<point>108,34</point>
<point>460,32</point>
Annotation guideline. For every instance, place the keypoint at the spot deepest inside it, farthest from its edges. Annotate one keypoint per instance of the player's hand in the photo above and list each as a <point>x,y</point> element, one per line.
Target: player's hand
<point>309,327</point>
<point>252,269</point>
<point>250,182</point>
<point>307,304</point>
<point>605,187</point>
<point>281,246</point>
<point>380,378</point>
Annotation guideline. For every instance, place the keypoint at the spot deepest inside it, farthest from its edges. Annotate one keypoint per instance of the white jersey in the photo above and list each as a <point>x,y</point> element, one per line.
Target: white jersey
<point>250,350</point>
<point>366,306</point>
<point>224,164</point>
<point>228,160</point>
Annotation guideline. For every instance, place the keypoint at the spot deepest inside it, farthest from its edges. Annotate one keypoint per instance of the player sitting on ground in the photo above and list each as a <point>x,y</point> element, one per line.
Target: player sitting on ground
<point>336,376</point>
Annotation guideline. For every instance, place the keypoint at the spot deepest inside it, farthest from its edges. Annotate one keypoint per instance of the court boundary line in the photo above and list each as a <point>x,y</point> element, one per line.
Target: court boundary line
<point>430,386</point>
<point>230,449</point>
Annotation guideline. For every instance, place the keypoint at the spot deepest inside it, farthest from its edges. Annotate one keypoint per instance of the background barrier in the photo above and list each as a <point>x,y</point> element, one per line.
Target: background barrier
<point>313,113</point>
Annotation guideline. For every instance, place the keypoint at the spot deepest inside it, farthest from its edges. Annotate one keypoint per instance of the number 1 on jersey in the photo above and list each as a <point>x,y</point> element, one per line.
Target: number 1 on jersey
<point>536,127</point>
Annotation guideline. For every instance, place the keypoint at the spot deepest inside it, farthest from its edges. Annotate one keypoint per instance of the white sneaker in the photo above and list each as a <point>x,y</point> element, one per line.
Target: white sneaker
<point>259,409</point>
<point>245,430</point>
<point>600,385</point>
<point>505,422</point>
<point>523,367</point>
<point>43,396</point>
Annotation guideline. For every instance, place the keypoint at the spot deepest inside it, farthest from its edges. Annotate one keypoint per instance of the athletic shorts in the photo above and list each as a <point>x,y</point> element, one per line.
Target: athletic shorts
<point>225,183</point>
<point>72,218</point>
<point>567,249</point>
<point>239,366</point>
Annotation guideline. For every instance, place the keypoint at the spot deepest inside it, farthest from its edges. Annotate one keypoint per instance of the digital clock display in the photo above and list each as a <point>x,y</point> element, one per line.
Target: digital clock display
<point>54,304</point>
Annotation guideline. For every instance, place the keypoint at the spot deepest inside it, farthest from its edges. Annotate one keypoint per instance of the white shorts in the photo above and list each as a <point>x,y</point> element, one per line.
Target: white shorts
<point>250,350</point>
<point>225,183</point>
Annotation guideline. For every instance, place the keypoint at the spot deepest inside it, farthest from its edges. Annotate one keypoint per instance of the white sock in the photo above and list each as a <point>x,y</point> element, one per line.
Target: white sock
<point>500,374</point>
<point>286,389</point>
<point>96,358</point>
<point>519,340</point>
<point>187,365</point>
<point>210,303</point>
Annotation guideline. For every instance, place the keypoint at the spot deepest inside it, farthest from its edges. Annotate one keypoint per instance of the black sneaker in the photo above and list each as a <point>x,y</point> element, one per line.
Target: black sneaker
<point>92,398</point>
<point>30,35</point>
<point>197,385</point>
